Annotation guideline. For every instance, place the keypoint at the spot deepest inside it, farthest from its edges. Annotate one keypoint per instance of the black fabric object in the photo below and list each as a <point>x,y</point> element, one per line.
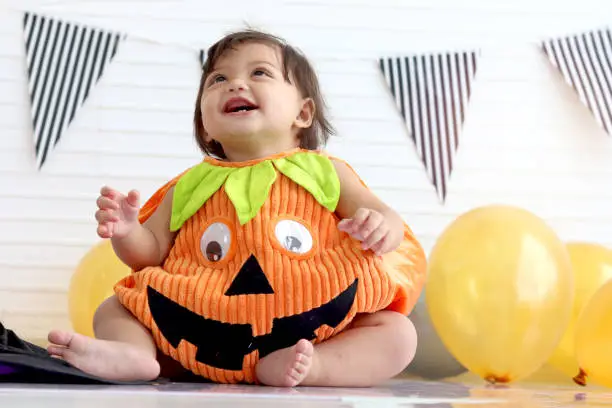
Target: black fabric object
<point>24,362</point>
<point>251,280</point>
<point>224,345</point>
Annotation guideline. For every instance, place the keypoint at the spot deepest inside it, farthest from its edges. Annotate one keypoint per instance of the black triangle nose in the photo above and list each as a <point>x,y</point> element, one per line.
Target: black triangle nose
<point>251,280</point>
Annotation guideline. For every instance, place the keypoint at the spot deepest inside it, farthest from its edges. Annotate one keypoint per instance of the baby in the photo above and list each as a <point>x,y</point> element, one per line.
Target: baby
<point>270,262</point>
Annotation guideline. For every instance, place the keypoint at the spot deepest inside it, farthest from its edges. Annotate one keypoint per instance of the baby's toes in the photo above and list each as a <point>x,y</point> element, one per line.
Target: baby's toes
<point>59,337</point>
<point>301,368</point>
<point>56,351</point>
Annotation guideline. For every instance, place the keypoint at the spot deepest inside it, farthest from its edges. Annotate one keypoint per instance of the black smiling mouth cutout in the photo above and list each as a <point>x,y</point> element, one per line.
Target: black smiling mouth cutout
<point>225,345</point>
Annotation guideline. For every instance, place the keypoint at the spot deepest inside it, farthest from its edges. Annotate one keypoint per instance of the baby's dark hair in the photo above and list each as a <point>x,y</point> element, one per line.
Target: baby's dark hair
<point>294,63</point>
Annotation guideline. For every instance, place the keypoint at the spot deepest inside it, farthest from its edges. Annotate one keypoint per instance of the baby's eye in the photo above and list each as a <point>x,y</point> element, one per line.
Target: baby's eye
<point>259,72</point>
<point>216,79</point>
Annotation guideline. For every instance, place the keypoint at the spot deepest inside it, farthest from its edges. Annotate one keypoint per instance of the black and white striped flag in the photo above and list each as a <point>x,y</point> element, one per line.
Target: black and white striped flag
<point>203,57</point>
<point>432,93</point>
<point>64,63</point>
<point>584,60</point>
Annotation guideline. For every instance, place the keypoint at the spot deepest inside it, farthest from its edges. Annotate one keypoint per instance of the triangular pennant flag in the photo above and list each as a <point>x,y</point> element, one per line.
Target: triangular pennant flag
<point>584,62</point>
<point>202,57</point>
<point>64,63</point>
<point>431,93</point>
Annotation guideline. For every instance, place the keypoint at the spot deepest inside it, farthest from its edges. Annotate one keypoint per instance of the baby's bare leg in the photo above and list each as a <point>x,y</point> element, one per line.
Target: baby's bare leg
<point>122,350</point>
<point>376,347</point>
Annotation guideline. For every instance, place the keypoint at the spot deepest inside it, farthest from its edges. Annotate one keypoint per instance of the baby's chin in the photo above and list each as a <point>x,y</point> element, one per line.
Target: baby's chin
<point>238,131</point>
<point>245,136</point>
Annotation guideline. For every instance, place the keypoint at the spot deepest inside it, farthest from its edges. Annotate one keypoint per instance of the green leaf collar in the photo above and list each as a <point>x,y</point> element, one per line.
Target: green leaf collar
<point>248,187</point>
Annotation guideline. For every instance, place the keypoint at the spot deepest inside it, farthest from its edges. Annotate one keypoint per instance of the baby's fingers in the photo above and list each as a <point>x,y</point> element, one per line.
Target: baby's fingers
<point>104,216</point>
<point>371,224</point>
<point>105,203</point>
<point>374,238</point>
<point>105,230</point>
<point>133,198</point>
<point>360,217</point>
<point>111,193</point>
<point>354,224</point>
<point>345,225</point>
<point>381,247</point>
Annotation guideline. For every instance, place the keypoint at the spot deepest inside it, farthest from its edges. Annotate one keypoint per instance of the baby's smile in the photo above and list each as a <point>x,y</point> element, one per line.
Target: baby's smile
<point>239,105</point>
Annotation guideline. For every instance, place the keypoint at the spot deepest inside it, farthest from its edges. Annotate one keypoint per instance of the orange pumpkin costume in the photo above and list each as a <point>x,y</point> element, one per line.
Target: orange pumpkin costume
<point>259,263</point>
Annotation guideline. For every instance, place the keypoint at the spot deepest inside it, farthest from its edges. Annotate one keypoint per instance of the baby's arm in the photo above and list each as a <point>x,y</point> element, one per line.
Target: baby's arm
<point>148,244</point>
<point>365,216</point>
<point>123,348</point>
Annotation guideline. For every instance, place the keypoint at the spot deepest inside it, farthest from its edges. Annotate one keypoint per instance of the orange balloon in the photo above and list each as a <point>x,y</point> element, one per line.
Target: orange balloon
<point>592,267</point>
<point>594,339</point>
<point>92,283</point>
<point>499,291</point>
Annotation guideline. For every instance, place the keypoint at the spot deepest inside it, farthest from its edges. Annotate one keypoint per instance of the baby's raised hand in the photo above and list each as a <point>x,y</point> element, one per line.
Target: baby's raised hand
<point>117,214</point>
<point>370,227</point>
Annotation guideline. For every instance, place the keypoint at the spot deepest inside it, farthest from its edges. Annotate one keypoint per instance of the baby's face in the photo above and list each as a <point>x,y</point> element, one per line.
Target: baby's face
<point>246,98</point>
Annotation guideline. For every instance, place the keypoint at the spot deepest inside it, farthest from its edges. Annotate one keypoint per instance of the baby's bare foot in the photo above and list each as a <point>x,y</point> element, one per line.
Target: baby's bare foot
<point>106,359</point>
<point>287,367</point>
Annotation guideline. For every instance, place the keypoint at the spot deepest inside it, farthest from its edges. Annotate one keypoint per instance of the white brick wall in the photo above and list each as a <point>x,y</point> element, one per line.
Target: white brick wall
<point>135,130</point>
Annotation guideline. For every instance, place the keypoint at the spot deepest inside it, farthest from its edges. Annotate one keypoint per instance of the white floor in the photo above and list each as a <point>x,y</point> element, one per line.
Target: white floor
<point>398,393</point>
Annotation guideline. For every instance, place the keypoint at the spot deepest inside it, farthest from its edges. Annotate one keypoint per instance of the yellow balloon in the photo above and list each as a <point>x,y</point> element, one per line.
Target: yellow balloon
<point>594,338</point>
<point>592,267</point>
<point>92,283</point>
<point>499,291</point>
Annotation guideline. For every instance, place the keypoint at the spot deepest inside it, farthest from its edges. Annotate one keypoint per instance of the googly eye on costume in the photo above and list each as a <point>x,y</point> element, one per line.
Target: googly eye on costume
<point>216,241</point>
<point>293,236</point>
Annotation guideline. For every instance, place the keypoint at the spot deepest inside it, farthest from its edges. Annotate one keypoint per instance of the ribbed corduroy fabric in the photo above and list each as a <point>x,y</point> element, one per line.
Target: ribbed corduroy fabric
<point>300,282</point>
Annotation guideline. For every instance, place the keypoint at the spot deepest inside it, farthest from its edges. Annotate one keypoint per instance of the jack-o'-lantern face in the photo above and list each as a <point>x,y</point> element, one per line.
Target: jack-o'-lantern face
<point>255,267</point>
<point>223,341</point>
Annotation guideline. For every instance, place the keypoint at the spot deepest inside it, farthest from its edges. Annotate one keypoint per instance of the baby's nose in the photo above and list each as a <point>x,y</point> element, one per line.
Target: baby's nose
<point>237,85</point>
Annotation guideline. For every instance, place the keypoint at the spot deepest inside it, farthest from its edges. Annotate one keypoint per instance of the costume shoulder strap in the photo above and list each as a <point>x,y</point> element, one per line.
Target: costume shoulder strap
<point>337,159</point>
<point>155,200</point>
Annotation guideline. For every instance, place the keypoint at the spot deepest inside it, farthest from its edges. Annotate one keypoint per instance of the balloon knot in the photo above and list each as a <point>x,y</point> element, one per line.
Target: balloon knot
<point>580,379</point>
<point>497,379</point>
